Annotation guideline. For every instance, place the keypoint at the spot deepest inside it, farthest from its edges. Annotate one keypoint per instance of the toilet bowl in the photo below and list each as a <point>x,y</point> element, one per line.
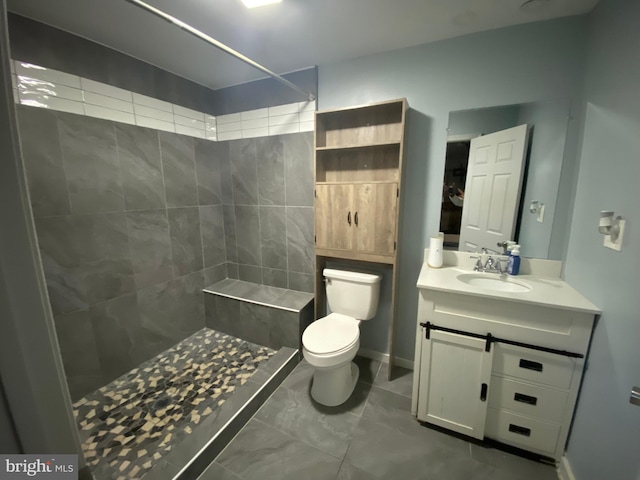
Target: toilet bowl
<point>330,343</point>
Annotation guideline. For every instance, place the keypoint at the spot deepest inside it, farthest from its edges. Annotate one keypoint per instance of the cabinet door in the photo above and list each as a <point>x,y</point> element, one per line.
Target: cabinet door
<point>375,206</point>
<point>334,216</point>
<point>454,380</point>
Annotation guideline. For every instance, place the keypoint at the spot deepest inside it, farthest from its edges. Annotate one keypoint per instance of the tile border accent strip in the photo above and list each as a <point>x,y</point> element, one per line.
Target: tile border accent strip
<point>37,86</point>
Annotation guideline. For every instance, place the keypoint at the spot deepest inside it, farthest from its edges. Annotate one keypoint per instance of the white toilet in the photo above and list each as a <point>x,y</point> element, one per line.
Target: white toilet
<point>330,343</point>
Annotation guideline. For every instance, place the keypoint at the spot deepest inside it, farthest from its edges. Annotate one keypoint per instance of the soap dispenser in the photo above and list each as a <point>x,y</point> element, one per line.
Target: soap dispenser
<point>513,267</point>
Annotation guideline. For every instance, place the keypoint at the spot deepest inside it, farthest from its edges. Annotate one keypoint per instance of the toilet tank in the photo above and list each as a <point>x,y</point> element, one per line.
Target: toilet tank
<point>352,293</point>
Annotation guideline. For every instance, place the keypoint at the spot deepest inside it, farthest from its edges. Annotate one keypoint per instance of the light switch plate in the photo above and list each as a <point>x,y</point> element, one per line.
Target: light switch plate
<point>617,246</point>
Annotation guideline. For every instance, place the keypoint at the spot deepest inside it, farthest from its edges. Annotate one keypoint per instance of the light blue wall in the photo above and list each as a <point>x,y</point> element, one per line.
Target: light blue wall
<point>483,121</point>
<point>605,441</point>
<point>502,67</point>
<point>549,124</point>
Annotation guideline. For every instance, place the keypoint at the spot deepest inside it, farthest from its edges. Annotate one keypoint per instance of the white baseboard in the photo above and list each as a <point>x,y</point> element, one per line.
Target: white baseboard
<point>564,470</point>
<point>384,358</point>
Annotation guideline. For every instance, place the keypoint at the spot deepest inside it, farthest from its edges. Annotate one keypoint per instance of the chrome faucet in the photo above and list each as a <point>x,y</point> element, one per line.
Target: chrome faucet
<point>492,265</point>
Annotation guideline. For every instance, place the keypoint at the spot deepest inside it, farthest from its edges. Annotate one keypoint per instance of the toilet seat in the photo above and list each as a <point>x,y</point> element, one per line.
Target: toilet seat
<point>331,335</point>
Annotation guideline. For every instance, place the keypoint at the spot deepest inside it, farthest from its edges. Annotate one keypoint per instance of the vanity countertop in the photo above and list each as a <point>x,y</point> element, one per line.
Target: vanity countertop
<point>545,291</point>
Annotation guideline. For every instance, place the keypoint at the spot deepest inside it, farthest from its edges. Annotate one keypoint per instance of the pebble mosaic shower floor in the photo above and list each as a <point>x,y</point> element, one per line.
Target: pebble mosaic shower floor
<point>129,424</point>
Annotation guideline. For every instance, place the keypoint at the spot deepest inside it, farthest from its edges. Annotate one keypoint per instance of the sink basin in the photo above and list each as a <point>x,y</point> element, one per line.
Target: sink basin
<point>497,284</point>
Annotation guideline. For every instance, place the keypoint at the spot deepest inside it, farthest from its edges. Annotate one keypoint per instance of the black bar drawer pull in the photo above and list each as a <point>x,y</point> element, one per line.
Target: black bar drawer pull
<point>483,392</point>
<point>520,430</point>
<point>521,397</point>
<point>529,365</point>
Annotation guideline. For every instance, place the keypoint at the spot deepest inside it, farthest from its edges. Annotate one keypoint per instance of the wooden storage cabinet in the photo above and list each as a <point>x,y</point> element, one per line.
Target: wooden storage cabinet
<point>358,189</point>
<point>358,165</point>
<point>530,394</point>
<point>358,217</point>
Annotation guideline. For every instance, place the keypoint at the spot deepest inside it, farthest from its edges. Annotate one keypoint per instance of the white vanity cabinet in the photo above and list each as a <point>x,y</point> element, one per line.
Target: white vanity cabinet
<point>501,369</point>
<point>459,405</point>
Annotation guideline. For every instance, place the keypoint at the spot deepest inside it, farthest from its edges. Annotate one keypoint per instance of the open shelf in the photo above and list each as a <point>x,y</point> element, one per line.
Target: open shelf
<point>357,182</point>
<point>357,147</point>
<point>365,163</point>
<point>372,124</point>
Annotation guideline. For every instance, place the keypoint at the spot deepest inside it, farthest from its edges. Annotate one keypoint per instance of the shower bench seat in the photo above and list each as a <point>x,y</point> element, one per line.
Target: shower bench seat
<point>270,316</point>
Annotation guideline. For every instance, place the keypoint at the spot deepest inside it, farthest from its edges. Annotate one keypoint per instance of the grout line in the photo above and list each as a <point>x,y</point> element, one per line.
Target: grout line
<point>288,434</point>
<point>166,206</point>
<point>375,377</point>
<point>199,205</point>
<point>258,206</point>
<point>286,217</point>
<point>126,219</point>
<point>63,164</point>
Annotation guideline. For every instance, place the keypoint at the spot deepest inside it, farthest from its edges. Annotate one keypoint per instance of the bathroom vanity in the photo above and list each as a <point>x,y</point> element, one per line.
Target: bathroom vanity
<point>500,357</point>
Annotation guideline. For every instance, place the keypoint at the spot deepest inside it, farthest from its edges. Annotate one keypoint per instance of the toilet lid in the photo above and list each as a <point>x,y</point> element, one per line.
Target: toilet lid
<point>330,334</point>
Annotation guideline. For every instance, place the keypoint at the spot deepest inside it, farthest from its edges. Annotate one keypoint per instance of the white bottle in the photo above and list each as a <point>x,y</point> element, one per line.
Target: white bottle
<point>436,244</point>
<point>513,267</point>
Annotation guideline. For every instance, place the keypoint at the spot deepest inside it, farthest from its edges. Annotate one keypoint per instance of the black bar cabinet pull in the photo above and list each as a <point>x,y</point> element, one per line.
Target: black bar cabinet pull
<point>520,430</point>
<point>483,392</point>
<point>530,365</point>
<point>491,339</point>
<point>427,330</point>
<point>355,219</point>
<point>349,218</point>
<point>522,398</point>
<point>487,345</point>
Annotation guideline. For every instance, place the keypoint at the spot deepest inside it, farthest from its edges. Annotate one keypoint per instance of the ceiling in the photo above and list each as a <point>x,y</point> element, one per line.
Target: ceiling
<point>285,37</point>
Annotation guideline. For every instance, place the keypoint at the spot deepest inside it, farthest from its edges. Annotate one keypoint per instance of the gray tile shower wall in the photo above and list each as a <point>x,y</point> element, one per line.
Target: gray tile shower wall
<point>44,45</point>
<point>131,227</point>
<point>267,192</point>
<point>41,44</point>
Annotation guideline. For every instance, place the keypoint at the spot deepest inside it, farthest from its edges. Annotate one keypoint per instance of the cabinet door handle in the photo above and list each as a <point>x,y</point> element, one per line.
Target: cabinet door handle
<point>349,218</point>
<point>526,432</point>
<point>355,219</point>
<point>529,365</point>
<point>483,392</point>
<point>521,397</point>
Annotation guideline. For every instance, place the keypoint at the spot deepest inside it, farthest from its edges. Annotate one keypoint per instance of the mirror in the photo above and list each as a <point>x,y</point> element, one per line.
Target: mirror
<point>502,178</point>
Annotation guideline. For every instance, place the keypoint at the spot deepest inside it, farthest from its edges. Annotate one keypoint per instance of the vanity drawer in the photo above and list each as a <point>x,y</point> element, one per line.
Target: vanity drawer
<point>523,432</point>
<point>533,366</point>
<point>532,400</point>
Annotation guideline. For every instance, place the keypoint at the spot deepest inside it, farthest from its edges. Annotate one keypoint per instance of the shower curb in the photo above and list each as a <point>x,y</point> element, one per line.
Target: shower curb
<point>188,464</point>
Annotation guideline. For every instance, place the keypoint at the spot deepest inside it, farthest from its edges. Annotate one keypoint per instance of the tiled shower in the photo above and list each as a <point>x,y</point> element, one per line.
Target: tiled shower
<point>135,216</point>
<point>133,223</point>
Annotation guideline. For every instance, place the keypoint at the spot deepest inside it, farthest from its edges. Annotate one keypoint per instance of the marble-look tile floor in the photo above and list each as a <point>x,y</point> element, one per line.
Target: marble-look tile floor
<point>372,436</point>
<point>134,421</point>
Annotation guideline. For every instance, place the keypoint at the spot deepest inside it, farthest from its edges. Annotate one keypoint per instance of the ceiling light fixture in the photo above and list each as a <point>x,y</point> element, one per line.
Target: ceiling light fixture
<point>258,3</point>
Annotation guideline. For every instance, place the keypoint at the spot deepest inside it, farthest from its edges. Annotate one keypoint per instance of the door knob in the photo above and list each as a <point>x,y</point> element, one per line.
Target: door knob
<point>635,396</point>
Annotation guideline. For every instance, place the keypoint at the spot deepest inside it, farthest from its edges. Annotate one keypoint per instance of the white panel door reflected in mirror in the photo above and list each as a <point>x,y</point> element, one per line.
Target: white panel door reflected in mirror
<point>517,157</point>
